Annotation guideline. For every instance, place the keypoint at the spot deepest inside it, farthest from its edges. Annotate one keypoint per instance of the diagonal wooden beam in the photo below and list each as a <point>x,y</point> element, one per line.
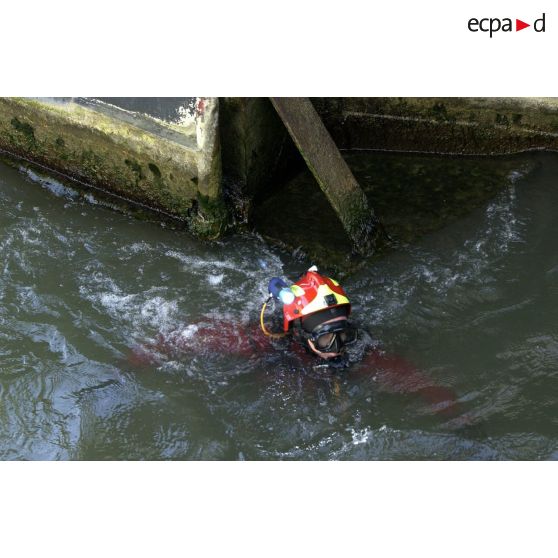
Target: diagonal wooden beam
<point>330,170</point>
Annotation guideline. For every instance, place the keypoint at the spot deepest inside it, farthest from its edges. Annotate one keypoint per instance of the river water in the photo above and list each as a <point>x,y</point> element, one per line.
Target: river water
<point>87,292</point>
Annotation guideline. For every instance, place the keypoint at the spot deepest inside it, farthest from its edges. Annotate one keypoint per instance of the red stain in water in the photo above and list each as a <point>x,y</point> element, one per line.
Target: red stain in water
<point>393,374</point>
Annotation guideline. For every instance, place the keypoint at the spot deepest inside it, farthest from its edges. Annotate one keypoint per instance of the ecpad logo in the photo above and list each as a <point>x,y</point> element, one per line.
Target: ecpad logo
<point>493,25</point>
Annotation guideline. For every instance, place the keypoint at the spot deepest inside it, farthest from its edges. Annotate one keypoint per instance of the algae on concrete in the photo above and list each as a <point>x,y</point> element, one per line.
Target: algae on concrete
<point>97,148</point>
<point>448,125</point>
<point>212,158</point>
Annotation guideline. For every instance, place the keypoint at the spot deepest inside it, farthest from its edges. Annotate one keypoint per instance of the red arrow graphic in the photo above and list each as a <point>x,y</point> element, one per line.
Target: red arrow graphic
<point>519,25</point>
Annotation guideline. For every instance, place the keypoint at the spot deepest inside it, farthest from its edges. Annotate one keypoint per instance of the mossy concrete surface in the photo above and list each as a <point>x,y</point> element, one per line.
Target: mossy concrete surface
<point>256,152</point>
<point>182,179</point>
<point>454,125</point>
<point>205,159</point>
<point>330,170</point>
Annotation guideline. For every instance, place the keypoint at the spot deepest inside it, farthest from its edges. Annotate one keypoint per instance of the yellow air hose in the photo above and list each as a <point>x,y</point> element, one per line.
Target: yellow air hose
<point>268,333</point>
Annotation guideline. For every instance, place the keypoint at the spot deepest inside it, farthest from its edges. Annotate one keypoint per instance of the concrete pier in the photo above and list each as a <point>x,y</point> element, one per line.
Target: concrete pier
<point>170,163</point>
<point>212,162</point>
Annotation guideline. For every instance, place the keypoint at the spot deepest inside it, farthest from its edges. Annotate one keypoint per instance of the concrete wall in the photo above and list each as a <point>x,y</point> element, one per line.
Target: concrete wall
<point>169,159</point>
<point>256,150</point>
<point>476,125</point>
<point>203,159</point>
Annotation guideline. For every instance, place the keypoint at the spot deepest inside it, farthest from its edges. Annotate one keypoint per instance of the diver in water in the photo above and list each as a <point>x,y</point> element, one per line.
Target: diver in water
<point>315,313</point>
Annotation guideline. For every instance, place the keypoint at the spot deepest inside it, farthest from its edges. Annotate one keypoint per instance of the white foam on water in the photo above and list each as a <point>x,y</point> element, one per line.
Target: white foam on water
<point>516,175</point>
<point>475,261</point>
<point>59,236</point>
<point>117,304</point>
<point>239,276</point>
<point>94,282</point>
<point>215,279</point>
<point>30,301</point>
<point>50,184</point>
<point>159,312</point>
<point>189,331</point>
<point>49,334</point>
<point>191,263</point>
<point>441,271</point>
<point>360,436</point>
<point>30,235</point>
<point>89,197</point>
<point>57,344</point>
<point>135,309</point>
<point>242,261</point>
<point>141,247</point>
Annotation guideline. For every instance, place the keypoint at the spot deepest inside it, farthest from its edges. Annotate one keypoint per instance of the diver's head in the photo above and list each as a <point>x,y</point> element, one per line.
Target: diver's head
<point>316,312</point>
<point>327,333</point>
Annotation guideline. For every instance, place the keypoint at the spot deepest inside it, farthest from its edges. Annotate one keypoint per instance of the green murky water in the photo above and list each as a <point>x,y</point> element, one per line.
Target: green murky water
<point>412,194</point>
<point>471,305</point>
